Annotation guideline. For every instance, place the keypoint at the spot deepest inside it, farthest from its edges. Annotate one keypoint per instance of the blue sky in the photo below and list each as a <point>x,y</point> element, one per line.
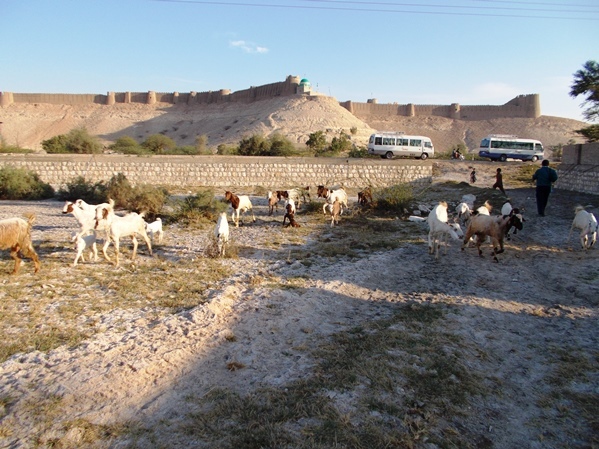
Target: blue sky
<point>472,52</point>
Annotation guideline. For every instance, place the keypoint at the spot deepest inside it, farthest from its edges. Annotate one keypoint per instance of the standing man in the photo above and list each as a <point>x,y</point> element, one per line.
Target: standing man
<point>544,176</point>
<point>499,182</point>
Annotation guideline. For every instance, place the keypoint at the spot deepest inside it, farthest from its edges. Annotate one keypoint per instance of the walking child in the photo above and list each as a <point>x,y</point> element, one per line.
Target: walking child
<point>473,176</point>
<point>499,182</point>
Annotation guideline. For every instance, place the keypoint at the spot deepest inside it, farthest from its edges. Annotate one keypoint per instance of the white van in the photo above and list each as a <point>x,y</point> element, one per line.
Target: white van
<point>389,145</point>
<point>498,147</point>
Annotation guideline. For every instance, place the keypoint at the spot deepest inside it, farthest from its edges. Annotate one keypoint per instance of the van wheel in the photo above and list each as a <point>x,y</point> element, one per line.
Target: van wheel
<point>534,159</point>
<point>503,158</point>
<point>389,155</point>
<point>424,156</point>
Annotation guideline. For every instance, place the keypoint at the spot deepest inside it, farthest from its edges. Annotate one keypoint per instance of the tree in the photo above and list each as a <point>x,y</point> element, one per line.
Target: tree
<point>317,141</point>
<point>586,81</point>
<point>159,143</point>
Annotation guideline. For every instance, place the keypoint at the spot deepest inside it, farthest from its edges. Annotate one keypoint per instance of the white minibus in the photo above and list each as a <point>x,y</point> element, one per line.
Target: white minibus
<point>499,147</point>
<point>389,145</point>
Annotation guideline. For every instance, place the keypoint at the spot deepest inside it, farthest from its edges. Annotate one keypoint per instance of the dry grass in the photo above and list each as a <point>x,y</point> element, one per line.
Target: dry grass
<point>358,395</point>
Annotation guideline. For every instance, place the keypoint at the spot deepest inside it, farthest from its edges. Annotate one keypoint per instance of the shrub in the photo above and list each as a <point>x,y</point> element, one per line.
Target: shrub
<point>255,145</point>
<point>76,141</point>
<point>80,188</point>
<point>119,189</point>
<point>202,206</point>
<point>353,130</point>
<point>159,144</point>
<point>317,142</point>
<point>280,146</point>
<point>224,150</point>
<point>359,152</point>
<point>148,199</point>
<point>5,148</point>
<point>393,199</point>
<point>128,145</point>
<point>21,184</point>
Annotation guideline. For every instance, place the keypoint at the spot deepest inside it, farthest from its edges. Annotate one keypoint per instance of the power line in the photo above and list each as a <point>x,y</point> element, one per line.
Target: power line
<point>374,10</point>
<point>455,6</point>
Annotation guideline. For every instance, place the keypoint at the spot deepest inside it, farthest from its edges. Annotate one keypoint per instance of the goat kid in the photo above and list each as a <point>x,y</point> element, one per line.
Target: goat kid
<point>587,223</point>
<point>15,234</point>
<point>221,232</point>
<point>155,229</point>
<point>82,243</point>
<point>290,215</point>
<point>85,214</point>
<point>239,204</point>
<point>273,202</point>
<point>440,229</point>
<point>335,212</point>
<point>365,197</point>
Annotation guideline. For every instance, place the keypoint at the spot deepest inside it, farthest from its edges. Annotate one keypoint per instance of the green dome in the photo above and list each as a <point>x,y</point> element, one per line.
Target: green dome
<point>304,81</point>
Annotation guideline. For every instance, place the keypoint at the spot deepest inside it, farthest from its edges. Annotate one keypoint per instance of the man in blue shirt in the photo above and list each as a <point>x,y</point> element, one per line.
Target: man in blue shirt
<point>544,176</point>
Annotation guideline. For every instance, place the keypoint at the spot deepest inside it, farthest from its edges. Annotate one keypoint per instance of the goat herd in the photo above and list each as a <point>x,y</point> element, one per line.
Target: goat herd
<point>480,225</point>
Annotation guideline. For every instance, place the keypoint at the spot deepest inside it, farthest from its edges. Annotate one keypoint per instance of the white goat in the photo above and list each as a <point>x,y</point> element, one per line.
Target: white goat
<point>130,225</point>
<point>587,223</point>
<point>485,209</point>
<point>464,212</point>
<point>333,195</point>
<point>85,214</point>
<point>155,229</point>
<point>83,242</point>
<point>221,232</point>
<point>15,234</point>
<point>439,229</point>
<point>494,227</point>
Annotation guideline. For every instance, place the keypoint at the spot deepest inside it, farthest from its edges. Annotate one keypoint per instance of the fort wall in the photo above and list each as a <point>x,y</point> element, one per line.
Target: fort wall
<point>522,106</point>
<point>189,172</point>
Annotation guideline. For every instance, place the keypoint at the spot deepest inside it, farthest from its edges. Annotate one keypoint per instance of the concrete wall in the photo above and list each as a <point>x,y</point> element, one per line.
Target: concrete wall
<point>579,170</point>
<point>224,171</point>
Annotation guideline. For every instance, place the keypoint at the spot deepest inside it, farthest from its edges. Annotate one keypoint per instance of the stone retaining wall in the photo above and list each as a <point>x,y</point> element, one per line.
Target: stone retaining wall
<point>224,171</point>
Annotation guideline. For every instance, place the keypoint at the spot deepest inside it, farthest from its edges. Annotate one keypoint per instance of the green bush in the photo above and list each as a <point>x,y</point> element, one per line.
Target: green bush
<point>224,150</point>
<point>5,148</point>
<point>359,152</point>
<point>159,144</point>
<point>393,199</point>
<point>147,199</point>
<point>201,207</point>
<point>119,189</point>
<point>317,141</point>
<point>280,146</point>
<point>76,141</point>
<point>21,184</point>
<point>80,188</point>
<point>128,145</point>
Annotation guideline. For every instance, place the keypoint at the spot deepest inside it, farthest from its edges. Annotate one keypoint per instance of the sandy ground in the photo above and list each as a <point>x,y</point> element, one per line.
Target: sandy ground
<point>542,296</point>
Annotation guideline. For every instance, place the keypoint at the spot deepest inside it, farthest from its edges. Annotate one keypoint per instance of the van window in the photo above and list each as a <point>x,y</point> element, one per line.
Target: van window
<point>378,140</point>
<point>388,140</point>
<point>415,142</point>
<point>403,142</point>
<point>428,144</point>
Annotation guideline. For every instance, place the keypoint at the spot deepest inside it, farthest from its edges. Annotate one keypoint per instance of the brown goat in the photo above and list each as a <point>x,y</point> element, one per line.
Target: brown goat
<point>15,233</point>
<point>291,217</point>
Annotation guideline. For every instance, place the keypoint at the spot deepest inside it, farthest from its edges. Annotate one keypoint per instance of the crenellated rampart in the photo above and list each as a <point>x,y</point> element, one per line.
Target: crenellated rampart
<point>522,106</point>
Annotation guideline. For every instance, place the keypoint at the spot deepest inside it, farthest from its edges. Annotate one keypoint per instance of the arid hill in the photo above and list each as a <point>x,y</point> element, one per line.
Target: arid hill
<point>27,125</point>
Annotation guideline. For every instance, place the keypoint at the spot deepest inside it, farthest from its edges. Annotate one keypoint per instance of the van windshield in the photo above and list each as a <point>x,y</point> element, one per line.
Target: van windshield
<point>485,143</point>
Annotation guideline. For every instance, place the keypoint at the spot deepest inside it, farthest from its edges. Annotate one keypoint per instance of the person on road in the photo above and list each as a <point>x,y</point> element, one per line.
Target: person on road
<point>473,176</point>
<point>545,177</point>
<point>499,182</point>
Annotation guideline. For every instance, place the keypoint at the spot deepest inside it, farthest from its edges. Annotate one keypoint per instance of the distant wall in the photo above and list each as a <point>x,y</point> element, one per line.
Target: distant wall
<point>579,170</point>
<point>224,171</point>
<point>522,106</point>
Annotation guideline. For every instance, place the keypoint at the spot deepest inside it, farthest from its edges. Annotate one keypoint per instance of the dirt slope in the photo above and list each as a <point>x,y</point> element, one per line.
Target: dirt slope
<point>27,125</point>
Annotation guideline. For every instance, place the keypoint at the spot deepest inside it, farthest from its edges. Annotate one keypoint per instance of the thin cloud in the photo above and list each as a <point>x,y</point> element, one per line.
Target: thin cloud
<point>248,47</point>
